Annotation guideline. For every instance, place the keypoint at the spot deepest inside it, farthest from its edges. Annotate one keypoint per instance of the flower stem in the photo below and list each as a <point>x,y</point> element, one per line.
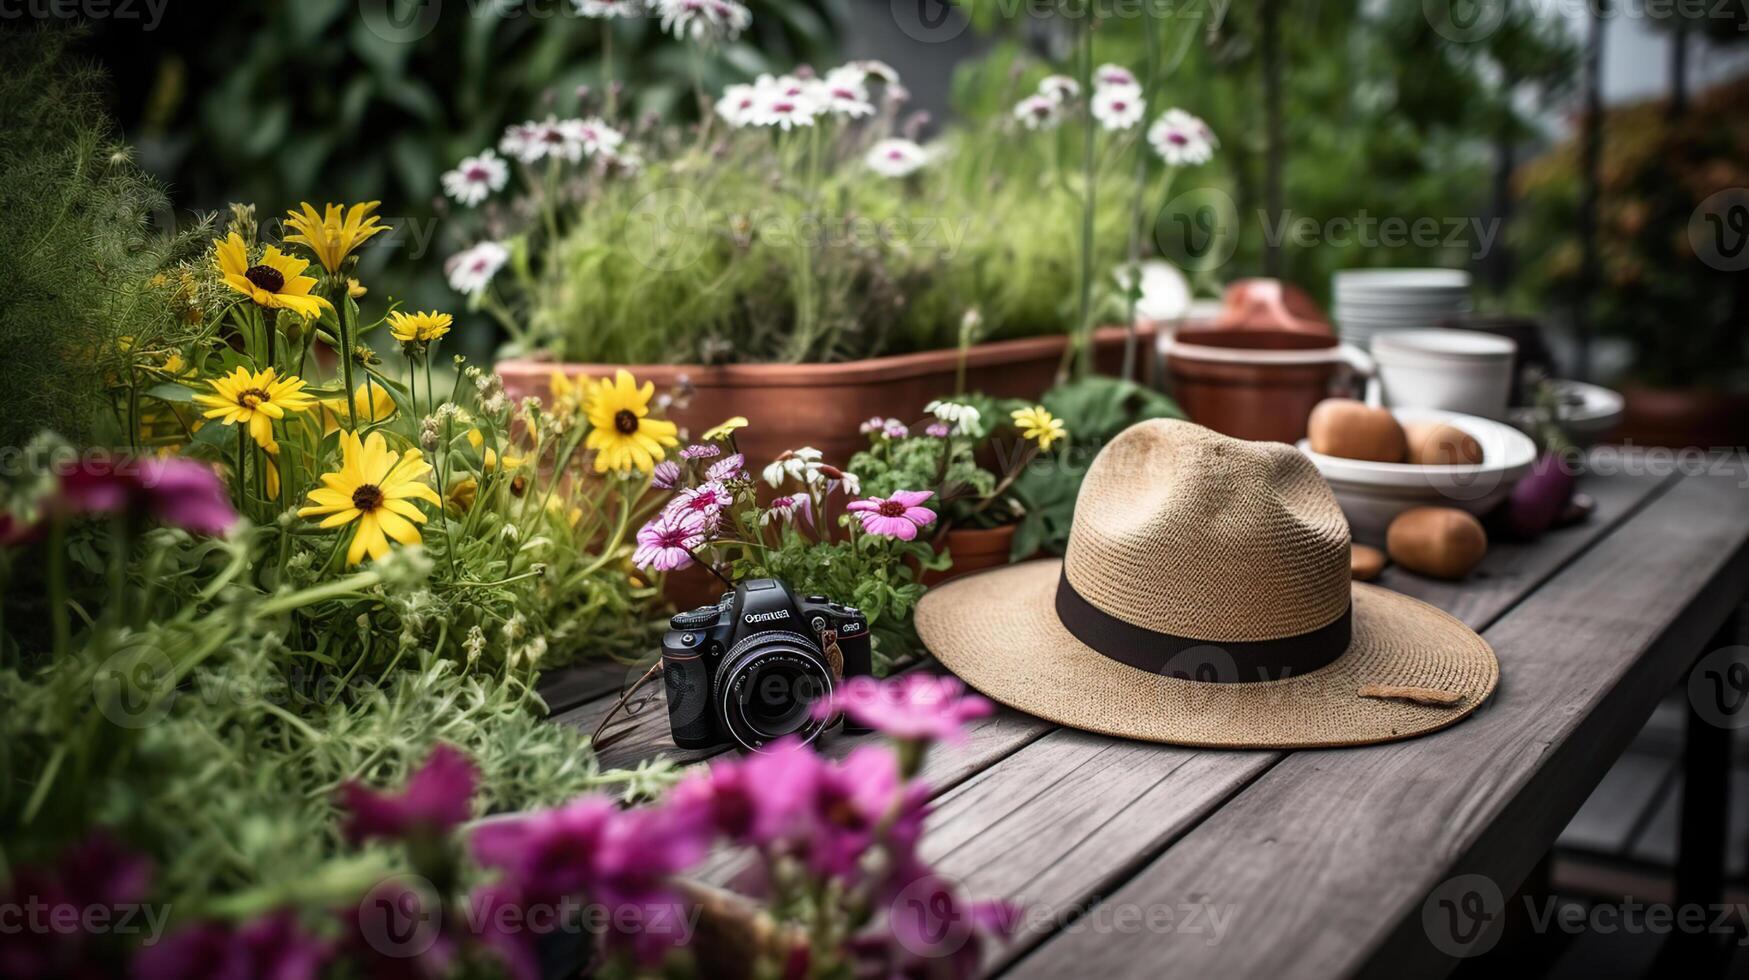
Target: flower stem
<point>342,310</point>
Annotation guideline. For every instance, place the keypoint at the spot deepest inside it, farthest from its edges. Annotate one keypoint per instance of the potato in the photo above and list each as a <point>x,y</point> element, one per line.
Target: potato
<point>1441,444</point>
<point>1364,563</point>
<point>1442,542</point>
<point>1344,427</point>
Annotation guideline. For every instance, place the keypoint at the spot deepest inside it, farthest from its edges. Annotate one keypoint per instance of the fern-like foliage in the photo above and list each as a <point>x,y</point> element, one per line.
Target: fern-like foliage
<point>78,246</point>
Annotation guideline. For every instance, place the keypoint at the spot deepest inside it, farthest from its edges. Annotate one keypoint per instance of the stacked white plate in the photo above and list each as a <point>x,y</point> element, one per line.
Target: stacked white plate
<point>1374,301</point>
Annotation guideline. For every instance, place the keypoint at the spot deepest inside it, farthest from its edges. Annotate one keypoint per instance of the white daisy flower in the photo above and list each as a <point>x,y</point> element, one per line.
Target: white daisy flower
<point>736,105</point>
<point>1181,139</point>
<point>1118,107</point>
<point>1038,112</point>
<point>1112,75</point>
<point>965,419</point>
<point>608,9</point>
<point>797,464</point>
<point>1059,88</point>
<point>703,20</point>
<point>594,135</point>
<point>476,178</point>
<point>785,103</point>
<point>844,92</point>
<point>471,271</point>
<point>896,158</point>
<point>533,141</point>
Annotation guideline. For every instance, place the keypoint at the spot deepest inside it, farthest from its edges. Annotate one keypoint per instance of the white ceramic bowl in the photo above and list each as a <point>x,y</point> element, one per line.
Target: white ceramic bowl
<point>1588,413</point>
<point>1373,494</point>
<point>1451,370</point>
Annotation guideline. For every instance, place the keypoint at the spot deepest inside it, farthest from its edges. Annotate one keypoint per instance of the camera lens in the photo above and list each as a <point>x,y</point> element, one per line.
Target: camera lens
<point>766,689</point>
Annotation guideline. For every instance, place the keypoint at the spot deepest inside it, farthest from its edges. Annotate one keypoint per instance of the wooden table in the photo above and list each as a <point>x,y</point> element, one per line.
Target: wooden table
<point>1143,860</point>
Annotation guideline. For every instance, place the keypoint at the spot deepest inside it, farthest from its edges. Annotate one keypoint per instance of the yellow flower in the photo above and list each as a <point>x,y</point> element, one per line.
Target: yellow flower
<point>355,289</point>
<point>374,405</point>
<point>255,400</point>
<point>272,460</point>
<point>569,395</point>
<point>726,429</point>
<point>462,494</point>
<point>1040,426</point>
<point>620,432</point>
<point>277,283</point>
<point>336,233</point>
<point>419,328</point>
<point>376,488</point>
<point>489,458</point>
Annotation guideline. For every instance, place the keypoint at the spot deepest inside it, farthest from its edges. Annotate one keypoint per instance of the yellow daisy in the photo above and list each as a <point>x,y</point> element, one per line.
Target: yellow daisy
<point>569,395</point>
<point>620,432</point>
<point>726,429</point>
<point>376,488</point>
<point>419,328</point>
<point>255,400</point>
<point>1039,426</point>
<point>336,233</point>
<point>276,283</point>
<point>489,458</point>
<point>374,405</point>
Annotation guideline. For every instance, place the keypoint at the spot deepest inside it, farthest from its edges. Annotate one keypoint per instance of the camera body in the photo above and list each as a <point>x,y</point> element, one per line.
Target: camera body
<point>748,670</point>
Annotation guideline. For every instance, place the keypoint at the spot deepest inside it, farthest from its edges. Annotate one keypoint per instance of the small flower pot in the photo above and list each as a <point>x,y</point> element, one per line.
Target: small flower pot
<point>973,549</point>
<point>822,405</point>
<point>1257,384</point>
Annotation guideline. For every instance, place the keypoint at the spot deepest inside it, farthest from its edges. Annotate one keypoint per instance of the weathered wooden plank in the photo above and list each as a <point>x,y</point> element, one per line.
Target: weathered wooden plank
<point>1324,861</point>
<point>577,684</point>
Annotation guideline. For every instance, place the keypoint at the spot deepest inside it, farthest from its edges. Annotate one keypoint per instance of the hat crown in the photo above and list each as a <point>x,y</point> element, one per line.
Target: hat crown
<point>1187,532</point>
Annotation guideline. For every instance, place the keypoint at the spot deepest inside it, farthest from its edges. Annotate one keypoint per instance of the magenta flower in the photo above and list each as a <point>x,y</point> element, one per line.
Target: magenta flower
<point>437,797</point>
<point>938,430</point>
<point>932,931</point>
<point>701,451</point>
<point>549,855</point>
<point>913,707</point>
<point>179,492</point>
<point>666,476</point>
<point>91,881</point>
<point>666,543</point>
<point>898,516</point>
<point>895,429</point>
<point>272,946</point>
<point>731,467</point>
<point>706,501</point>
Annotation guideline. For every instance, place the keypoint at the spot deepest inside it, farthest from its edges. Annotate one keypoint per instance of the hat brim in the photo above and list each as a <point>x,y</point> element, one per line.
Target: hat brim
<point>998,630</point>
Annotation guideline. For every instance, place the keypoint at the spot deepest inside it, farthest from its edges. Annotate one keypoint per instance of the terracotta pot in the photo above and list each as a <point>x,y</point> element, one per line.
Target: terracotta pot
<point>1682,417</point>
<point>1257,384</point>
<point>822,405</point>
<point>973,549</point>
<point>1270,304</point>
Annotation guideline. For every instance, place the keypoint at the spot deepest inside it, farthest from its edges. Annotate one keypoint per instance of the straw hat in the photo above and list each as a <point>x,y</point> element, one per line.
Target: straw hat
<point>1205,600</point>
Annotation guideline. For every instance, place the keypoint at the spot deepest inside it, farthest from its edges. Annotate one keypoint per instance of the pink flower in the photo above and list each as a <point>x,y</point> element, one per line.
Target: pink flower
<point>95,874</point>
<point>666,543</point>
<point>701,451</point>
<point>938,430</point>
<point>895,430</point>
<point>272,946</point>
<point>932,930</point>
<point>437,797</point>
<point>666,475</point>
<point>706,501</point>
<point>913,707</point>
<point>797,509</point>
<point>898,516</point>
<point>731,467</point>
<point>180,492</point>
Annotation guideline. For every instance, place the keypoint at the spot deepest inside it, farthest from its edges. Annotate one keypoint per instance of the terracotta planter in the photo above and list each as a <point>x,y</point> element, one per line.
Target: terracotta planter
<point>973,549</point>
<point>1257,384</point>
<point>822,405</point>
<point>1681,417</point>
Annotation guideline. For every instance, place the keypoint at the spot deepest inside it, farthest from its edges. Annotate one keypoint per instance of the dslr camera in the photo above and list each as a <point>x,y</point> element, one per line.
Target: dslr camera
<point>749,669</point>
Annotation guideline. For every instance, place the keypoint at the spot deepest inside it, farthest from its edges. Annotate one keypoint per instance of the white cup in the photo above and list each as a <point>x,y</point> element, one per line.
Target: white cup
<point>1450,370</point>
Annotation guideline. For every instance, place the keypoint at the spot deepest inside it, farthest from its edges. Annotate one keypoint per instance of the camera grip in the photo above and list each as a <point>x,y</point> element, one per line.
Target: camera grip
<point>858,662</point>
<point>686,680</point>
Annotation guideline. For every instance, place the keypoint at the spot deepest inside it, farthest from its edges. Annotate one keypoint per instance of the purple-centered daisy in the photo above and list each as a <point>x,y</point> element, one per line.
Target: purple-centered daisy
<point>898,516</point>
<point>730,467</point>
<point>706,501</point>
<point>913,707</point>
<point>665,544</point>
<point>796,509</point>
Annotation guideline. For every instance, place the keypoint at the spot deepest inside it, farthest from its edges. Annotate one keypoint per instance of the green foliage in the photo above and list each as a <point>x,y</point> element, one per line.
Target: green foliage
<point>920,462</point>
<point>76,267</point>
<point>1095,410</point>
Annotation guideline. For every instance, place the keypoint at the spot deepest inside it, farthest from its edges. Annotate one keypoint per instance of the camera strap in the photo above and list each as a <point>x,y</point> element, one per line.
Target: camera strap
<point>595,739</point>
<point>834,656</point>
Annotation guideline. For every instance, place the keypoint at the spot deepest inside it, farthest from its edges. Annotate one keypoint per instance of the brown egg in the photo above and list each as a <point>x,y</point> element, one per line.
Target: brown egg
<point>1344,427</point>
<point>1441,444</point>
<point>1364,563</point>
<point>1439,541</point>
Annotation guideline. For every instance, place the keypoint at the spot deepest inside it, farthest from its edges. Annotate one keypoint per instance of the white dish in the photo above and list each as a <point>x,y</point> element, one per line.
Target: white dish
<point>1452,370</point>
<point>1587,413</point>
<point>1373,494</point>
